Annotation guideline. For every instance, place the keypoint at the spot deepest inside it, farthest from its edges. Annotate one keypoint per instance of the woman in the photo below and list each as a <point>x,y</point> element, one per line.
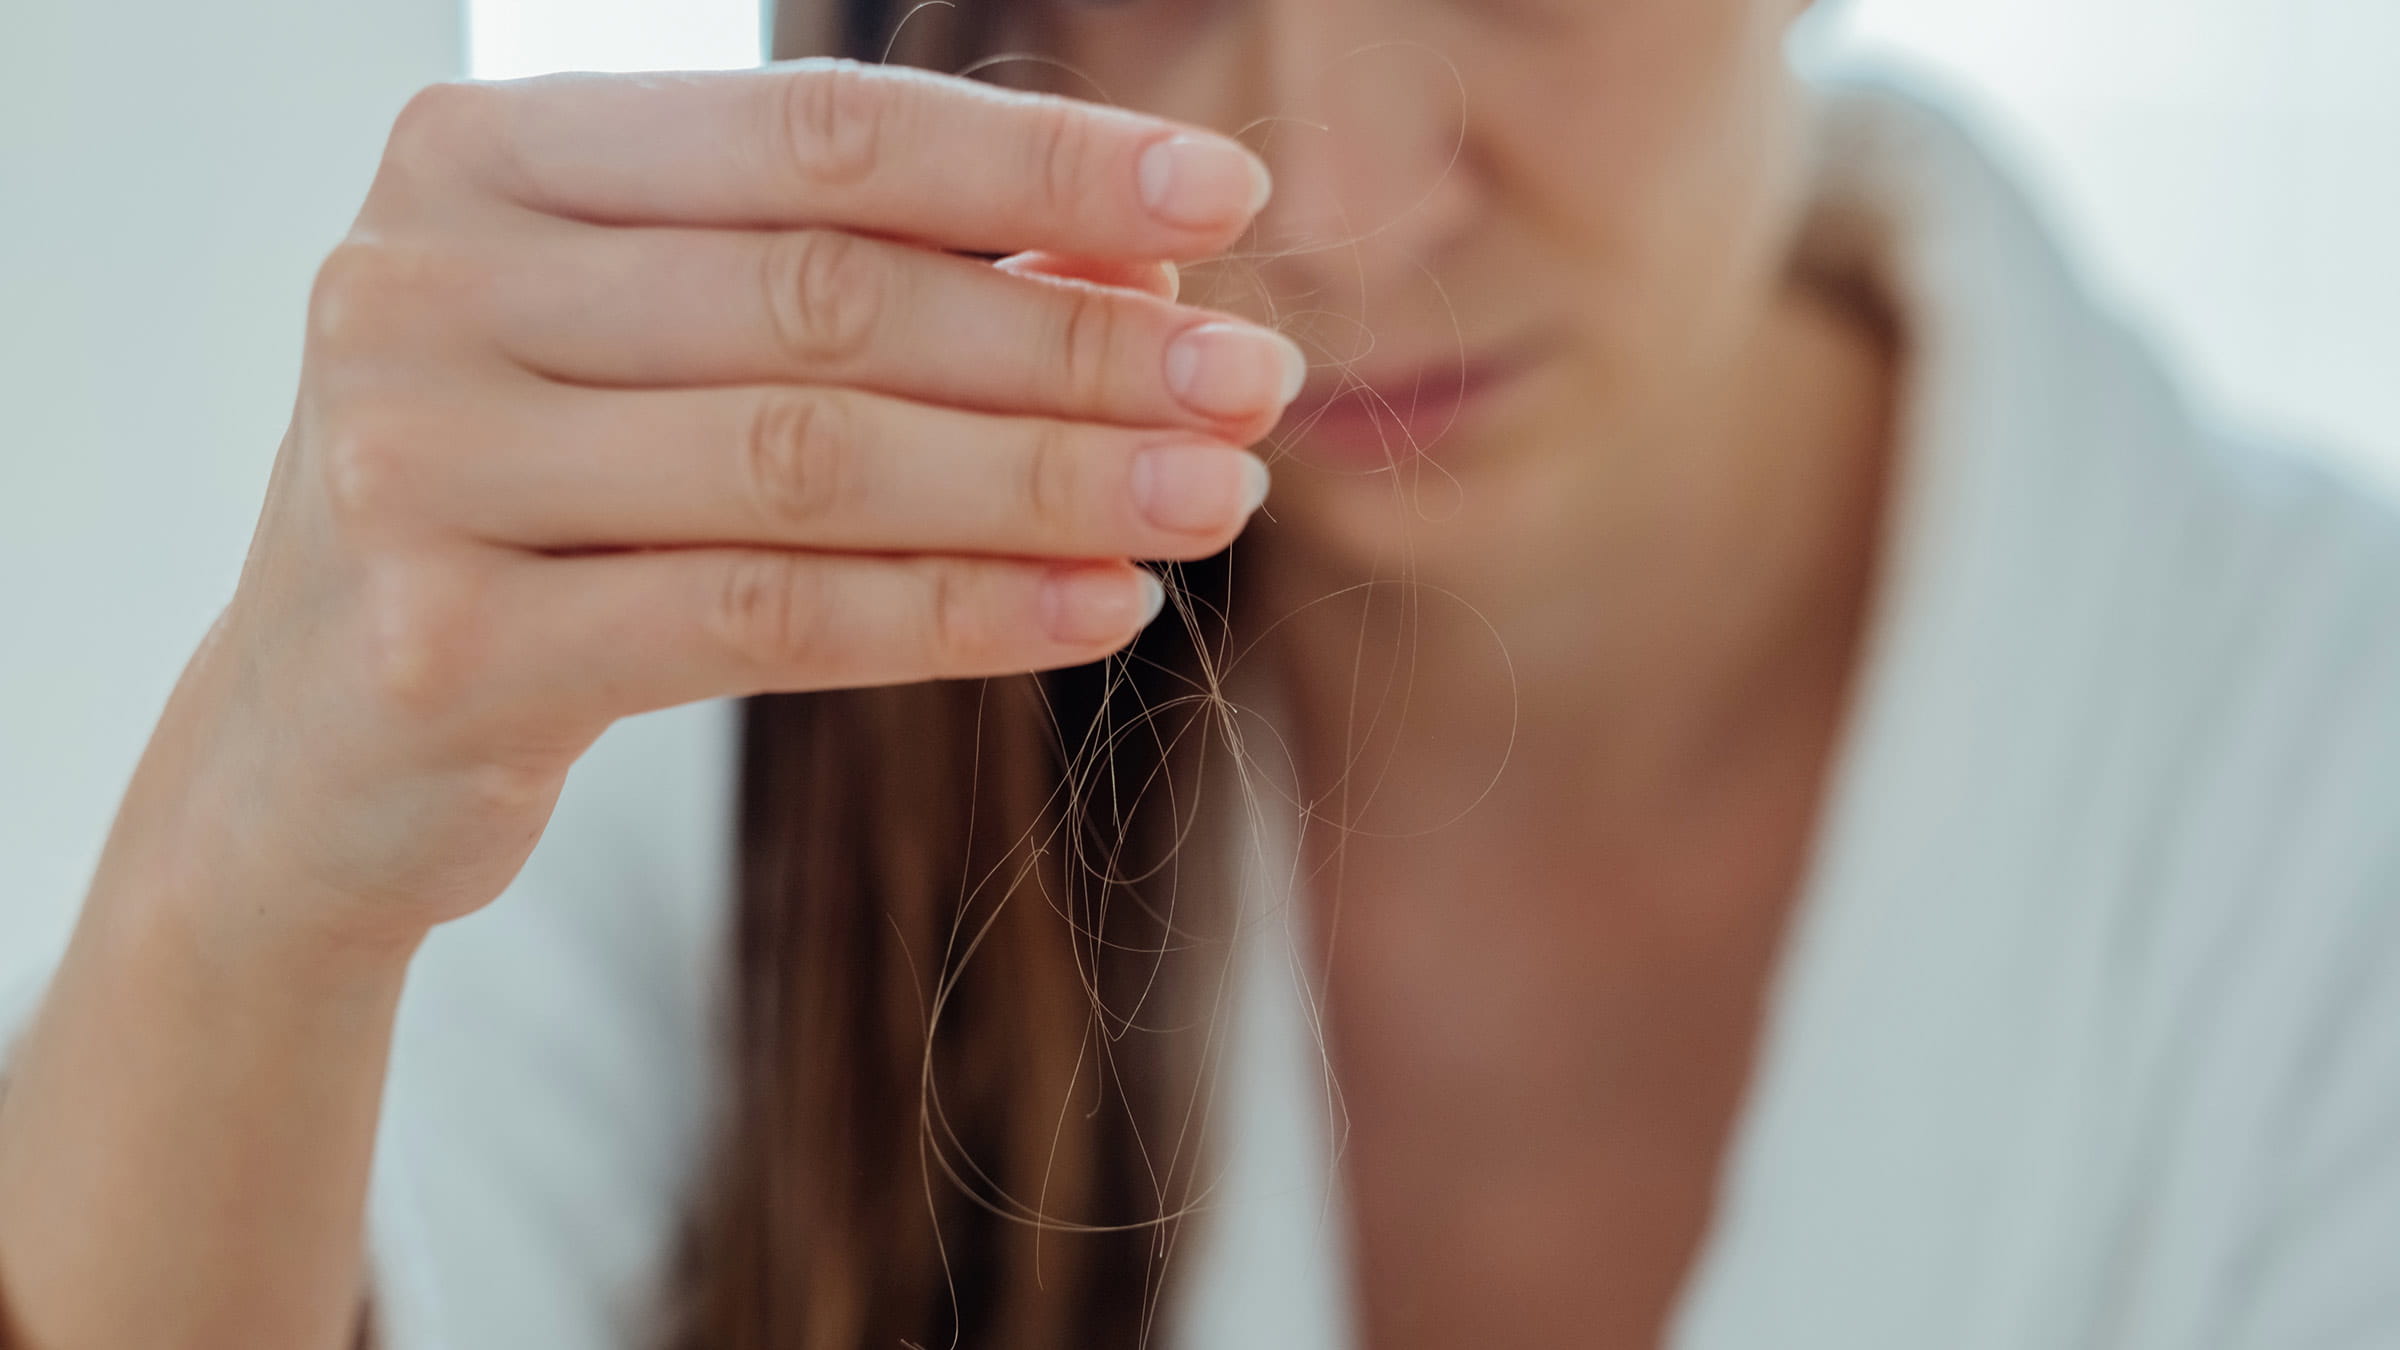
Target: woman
<point>1759,783</point>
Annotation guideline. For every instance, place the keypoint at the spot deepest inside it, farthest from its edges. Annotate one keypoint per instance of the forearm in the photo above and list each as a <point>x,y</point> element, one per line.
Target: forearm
<point>187,1130</point>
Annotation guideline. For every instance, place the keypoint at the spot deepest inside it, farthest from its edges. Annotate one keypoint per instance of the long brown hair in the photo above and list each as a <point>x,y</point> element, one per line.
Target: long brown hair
<point>882,1178</point>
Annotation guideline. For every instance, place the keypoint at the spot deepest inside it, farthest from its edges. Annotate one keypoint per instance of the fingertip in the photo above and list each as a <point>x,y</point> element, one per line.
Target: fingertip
<point>1194,181</point>
<point>1099,606</point>
<point>1154,597</point>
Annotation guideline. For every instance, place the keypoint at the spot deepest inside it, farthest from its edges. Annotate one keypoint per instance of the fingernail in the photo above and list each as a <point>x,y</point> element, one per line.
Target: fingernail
<point>1197,488</point>
<point>1295,369</point>
<point>1085,606</point>
<point>1200,181</point>
<point>1234,369</point>
<point>1255,482</point>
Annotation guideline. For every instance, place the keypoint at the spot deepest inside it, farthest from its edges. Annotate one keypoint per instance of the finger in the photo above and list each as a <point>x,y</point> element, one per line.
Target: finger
<point>884,150</point>
<point>653,629</point>
<point>684,307</point>
<point>834,469</point>
<point>1162,279</point>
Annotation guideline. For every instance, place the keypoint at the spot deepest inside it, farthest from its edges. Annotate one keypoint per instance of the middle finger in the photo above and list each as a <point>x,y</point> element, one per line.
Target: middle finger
<point>667,306</point>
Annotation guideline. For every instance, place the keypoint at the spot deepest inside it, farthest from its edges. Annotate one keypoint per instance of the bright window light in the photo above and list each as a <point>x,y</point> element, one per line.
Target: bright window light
<point>509,38</point>
<point>2223,164</point>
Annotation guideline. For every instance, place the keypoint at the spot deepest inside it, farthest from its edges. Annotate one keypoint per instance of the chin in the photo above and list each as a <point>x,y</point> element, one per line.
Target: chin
<point>1474,503</point>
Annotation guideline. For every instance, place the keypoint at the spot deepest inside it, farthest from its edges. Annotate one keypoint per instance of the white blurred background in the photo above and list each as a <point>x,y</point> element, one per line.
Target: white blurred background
<point>170,174</point>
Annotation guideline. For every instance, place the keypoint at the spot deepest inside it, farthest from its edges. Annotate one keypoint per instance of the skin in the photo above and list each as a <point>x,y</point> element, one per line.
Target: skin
<point>619,395</point>
<point>626,391</point>
<point>1549,890</point>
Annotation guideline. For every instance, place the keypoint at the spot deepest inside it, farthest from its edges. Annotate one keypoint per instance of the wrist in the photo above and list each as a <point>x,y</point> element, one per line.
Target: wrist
<point>253,934</point>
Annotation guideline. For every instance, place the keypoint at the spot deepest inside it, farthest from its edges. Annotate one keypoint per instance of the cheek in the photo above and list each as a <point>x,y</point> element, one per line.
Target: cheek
<point>1654,158</point>
<point>1174,58</point>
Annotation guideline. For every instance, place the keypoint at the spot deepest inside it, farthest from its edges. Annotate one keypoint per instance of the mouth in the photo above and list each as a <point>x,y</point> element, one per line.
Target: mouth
<point>1379,418</point>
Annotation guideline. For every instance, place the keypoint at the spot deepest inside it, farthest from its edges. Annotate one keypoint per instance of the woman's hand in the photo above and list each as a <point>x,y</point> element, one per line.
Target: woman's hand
<point>624,392</point>
<point>631,391</point>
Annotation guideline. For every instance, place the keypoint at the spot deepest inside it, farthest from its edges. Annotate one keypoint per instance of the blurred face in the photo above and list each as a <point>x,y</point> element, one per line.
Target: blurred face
<point>1523,240</point>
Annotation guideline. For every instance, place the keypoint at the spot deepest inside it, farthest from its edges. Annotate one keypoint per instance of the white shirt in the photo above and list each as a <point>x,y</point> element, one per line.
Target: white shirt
<point>2088,1032</point>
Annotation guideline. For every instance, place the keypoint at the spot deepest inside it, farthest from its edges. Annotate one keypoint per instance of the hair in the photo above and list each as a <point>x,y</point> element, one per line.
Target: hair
<point>916,1149</point>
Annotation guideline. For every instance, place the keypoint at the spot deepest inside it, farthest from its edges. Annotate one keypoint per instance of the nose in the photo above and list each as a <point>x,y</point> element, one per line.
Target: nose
<point>1363,124</point>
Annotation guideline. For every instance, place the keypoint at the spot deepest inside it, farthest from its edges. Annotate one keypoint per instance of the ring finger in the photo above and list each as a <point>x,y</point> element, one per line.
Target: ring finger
<point>834,469</point>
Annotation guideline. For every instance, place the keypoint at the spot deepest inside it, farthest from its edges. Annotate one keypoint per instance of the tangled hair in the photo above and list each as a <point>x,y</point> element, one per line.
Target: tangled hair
<point>916,1148</point>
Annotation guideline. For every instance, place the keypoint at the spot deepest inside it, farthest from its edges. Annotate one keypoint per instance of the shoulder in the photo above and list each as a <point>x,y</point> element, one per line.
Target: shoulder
<point>2118,589</point>
<point>2271,621</point>
<point>2260,927</point>
<point>2137,675</point>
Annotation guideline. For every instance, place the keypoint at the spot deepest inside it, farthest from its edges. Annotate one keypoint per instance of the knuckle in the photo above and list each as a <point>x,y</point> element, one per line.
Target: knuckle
<point>827,124</point>
<point>799,457</point>
<point>1051,489</point>
<point>1061,144</point>
<point>771,610</point>
<point>425,640</point>
<point>437,122</point>
<point>957,639</point>
<point>368,284</point>
<point>1088,334</point>
<point>367,463</point>
<point>824,292</point>
<point>354,281</point>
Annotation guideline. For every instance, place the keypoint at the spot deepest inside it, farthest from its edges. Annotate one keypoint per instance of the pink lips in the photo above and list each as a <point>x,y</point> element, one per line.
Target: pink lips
<point>1366,420</point>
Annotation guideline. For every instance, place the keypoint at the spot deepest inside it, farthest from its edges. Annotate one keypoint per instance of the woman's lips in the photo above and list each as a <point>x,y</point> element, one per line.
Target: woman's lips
<point>1375,420</point>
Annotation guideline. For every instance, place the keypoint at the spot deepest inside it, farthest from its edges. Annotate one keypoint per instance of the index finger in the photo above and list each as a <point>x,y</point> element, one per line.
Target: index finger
<point>885,150</point>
